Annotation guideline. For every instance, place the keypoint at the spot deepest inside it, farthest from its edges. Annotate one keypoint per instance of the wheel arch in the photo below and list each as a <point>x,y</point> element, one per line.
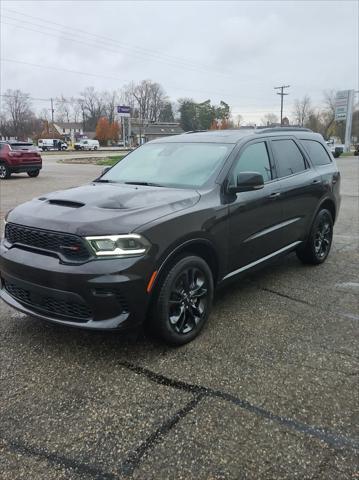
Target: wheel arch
<point>201,247</point>
<point>328,204</point>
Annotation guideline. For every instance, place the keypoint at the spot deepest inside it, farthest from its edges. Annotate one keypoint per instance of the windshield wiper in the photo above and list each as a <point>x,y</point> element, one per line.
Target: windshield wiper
<point>103,180</point>
<point>147,184</point>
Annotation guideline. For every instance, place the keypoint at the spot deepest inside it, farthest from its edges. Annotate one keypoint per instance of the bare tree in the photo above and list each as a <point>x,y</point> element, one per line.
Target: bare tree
<point>146,99</point>
<point>44,115</point>
<point>157,101</point>
<point>269,119</point>
<point>63,109</point>
<point>328,112</point>
<point>127,98</point>
<point>302,110</point>
<point>238,121</point>
<point>92,107</point>
<point>17,109</point>
<point>110,100</point>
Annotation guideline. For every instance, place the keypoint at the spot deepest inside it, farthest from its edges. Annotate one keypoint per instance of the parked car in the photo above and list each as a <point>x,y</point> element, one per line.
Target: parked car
<point>47,144</point>
<point>87,144</point>
<point>19,157</point>
<point>151,239</point>
<point>336,148</point>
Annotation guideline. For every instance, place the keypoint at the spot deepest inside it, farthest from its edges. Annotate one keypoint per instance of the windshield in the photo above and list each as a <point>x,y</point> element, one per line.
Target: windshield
<point>187,165</point>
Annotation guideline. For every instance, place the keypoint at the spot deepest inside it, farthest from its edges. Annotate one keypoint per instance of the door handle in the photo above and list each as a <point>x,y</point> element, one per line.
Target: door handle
<point>316,180</point>
<point>274,195</point>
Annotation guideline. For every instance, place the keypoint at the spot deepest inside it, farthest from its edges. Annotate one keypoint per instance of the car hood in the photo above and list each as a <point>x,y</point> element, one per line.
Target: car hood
<point>102,209</point>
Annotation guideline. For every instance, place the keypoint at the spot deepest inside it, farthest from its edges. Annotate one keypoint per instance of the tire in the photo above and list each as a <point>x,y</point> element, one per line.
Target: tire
<point>183,300</point>
<point>33,173</point>
<point>317,247</point>
<point>5,172</point>
<point>95,148</point>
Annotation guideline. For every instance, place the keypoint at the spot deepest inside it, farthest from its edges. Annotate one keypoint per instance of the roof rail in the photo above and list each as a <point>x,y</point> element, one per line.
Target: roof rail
<point>283,129</point>
<point>195,131</point>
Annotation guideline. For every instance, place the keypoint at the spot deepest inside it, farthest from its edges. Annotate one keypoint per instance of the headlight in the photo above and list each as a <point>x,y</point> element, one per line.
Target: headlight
<point>118,245</point>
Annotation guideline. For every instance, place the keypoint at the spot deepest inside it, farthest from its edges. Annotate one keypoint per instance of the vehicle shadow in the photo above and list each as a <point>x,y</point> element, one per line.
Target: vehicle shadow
<point>136,345</point>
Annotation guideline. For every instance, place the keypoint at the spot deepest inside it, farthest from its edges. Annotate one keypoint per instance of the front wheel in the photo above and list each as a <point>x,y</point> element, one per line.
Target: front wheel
<point>317,246</point>
<point>183,301</point>
<point>33,173</point>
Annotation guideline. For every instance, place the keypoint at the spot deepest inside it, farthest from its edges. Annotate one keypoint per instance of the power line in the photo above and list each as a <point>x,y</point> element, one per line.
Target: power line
<point>281,88</point>
<point>108,39</point>
<point>77,72</point>
<point>143,53</point>
<point>65,36</point>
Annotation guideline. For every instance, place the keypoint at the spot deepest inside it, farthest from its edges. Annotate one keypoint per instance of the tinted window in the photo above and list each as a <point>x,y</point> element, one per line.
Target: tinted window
<point>317,152</point>
<point>22,146</point>
<point>288,156</point>
<point>254,159</point>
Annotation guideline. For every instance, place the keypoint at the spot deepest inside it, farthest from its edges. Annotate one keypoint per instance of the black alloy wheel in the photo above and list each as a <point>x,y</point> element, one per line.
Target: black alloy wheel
<point>323,238</point>
<point>319,242</point>
<point>188,300</point>
<point>183,301</point>
<point>4,171</point>
<point>33,173</point>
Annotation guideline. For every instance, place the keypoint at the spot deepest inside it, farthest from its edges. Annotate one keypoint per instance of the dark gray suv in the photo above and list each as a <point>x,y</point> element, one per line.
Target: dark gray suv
<point>149,241</point>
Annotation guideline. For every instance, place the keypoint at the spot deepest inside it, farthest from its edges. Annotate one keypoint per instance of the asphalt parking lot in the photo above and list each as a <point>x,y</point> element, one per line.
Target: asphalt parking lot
<point>268,391</point>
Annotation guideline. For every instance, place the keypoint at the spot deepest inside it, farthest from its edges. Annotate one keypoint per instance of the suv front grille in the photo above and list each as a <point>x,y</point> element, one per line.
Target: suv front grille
<point>49,304</point>
<point>68,246</point>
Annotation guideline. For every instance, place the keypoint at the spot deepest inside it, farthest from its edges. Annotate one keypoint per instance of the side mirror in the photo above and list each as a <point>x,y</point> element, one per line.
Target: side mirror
<point>246,182</point>
<point>106,169</point>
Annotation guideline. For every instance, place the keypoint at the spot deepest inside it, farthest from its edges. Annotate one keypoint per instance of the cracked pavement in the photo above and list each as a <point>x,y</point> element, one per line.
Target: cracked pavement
<point>269,390</point>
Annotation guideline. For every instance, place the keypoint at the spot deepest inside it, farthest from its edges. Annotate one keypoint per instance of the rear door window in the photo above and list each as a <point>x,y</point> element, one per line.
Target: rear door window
<point>288,157</point>
<point>317,152</point>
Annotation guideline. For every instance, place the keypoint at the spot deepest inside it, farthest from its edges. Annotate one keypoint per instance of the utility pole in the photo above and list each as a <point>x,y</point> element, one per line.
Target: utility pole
<point>349,121</point>
<point>52,115</point>
<point>281,93</point>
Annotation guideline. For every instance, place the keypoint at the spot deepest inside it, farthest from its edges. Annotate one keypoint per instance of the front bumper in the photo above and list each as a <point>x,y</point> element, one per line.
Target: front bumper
<point>99,294</point>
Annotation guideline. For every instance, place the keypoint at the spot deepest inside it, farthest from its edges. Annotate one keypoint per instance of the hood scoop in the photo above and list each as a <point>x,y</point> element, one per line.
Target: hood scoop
<point>65,203</point>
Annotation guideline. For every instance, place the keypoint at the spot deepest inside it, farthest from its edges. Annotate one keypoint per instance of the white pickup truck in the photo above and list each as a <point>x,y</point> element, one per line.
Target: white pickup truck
<point>87,144</point>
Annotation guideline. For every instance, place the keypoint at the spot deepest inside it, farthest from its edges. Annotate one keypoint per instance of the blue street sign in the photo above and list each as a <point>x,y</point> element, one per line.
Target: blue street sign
<point>123,110</point>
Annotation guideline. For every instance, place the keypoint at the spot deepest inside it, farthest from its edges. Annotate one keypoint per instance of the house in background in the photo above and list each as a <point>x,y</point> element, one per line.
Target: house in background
<point>142,133</point>
<point>69,130</point>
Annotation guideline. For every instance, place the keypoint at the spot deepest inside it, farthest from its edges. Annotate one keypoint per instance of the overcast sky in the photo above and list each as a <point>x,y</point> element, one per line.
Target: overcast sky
<point>231,51</point>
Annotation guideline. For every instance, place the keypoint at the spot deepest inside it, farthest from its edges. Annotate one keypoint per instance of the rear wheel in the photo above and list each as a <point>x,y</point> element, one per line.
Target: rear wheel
<point>317,246</point>
<point>183,301</point>
<point>33,173</point>
<point>4,171</point>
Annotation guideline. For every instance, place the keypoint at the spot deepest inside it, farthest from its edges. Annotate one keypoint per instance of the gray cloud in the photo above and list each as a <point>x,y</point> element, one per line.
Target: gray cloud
<point>235,51</point>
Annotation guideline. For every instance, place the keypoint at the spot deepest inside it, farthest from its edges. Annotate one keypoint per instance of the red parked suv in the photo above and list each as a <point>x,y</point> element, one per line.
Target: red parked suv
<point>18,157</point>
